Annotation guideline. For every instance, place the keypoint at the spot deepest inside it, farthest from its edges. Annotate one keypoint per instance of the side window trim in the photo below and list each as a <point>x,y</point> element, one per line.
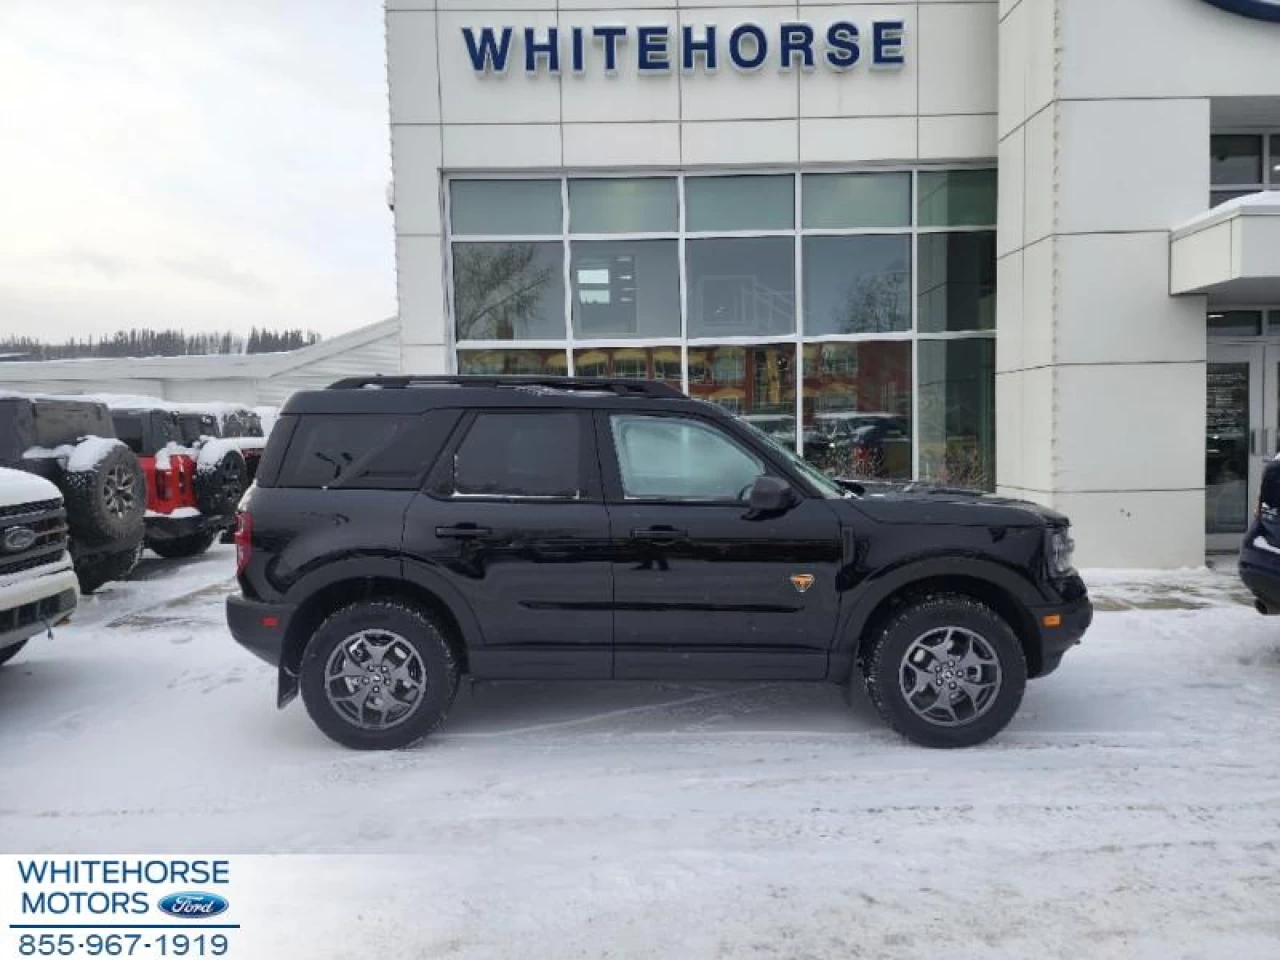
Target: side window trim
<point>439,483</point>
<point>612,463</point>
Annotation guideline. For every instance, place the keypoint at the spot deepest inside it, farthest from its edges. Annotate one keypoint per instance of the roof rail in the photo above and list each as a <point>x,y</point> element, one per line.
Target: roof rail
<point>623,388</point>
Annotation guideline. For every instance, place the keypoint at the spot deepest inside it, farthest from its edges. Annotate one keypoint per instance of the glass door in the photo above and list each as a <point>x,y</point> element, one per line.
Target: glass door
<point>1236,414</point>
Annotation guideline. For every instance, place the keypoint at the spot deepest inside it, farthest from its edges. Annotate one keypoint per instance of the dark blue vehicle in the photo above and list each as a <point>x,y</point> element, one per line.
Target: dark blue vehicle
<point>1260,552</point>
<point>405,531</point>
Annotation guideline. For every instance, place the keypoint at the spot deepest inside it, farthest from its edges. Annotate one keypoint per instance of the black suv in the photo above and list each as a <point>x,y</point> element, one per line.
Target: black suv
<point>405,531</point>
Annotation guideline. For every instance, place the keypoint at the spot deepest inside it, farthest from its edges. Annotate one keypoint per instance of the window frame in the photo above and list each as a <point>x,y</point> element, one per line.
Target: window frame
<point>439,484</point>
<point>1270,178</point>
<point>611,464</point>
<point>568,343</point>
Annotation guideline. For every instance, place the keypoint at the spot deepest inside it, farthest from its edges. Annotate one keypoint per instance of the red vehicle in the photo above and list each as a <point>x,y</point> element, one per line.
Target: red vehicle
<point>193,485</point>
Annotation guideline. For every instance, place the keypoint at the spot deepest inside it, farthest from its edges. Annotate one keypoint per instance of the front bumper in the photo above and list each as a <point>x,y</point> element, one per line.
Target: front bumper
<point>262,629</point>
<point>34,600</point>
<point>1062,625</point>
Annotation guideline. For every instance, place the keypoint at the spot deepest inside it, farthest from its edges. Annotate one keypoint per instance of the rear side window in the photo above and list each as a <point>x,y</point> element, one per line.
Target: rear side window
<point>537,455</point>
<point>364,452</point>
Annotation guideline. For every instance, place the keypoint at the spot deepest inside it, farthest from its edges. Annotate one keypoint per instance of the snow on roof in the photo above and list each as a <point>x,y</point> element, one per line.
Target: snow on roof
<point>224,366</point>
<point>1264,203</point>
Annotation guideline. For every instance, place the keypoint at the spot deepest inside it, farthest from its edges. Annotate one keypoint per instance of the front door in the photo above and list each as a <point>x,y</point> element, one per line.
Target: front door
<point>513,518</point>
<point>1242,432</point>
<point>701,588</point>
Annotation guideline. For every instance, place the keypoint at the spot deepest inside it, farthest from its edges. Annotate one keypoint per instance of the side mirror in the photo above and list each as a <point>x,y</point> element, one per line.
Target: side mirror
<point>770,496</point>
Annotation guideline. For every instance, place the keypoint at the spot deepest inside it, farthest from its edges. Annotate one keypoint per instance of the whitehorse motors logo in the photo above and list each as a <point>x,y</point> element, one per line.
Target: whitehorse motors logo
<point>1257,9</point>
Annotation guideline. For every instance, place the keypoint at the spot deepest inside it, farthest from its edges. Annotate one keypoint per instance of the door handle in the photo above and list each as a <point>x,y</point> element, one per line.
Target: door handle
<point>659,534</point>
<point>463,531</point>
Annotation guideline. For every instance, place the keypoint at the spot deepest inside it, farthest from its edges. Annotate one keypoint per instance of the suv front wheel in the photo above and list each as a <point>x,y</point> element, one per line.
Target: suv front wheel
<point>379,675</point>
<point>946,671</point>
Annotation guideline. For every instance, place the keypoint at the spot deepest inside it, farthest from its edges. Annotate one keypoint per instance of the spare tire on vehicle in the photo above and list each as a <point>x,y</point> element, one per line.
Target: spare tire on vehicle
<point>221,479</point>
<point>106,491</point>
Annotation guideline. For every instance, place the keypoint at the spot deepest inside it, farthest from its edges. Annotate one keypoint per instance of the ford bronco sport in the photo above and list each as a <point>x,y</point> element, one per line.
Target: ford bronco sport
<point>405,531</point>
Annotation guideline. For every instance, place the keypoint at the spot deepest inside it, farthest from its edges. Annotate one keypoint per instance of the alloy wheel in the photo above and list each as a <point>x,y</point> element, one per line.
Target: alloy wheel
<point>374,679</point>
<point>950,676</point>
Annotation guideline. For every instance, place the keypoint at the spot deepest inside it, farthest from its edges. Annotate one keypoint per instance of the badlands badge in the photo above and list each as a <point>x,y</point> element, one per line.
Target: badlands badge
<point>802,581</point>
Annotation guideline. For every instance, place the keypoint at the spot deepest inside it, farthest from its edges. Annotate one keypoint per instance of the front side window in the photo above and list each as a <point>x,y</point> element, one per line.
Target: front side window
<point>669,458</point>
<point>525,455</point>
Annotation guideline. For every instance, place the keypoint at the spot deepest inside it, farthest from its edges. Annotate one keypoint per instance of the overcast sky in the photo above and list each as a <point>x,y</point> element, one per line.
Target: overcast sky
<point>207,164</point>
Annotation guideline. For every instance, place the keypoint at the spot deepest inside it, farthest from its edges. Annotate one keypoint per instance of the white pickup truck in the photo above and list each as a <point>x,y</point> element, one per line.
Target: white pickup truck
<point>37,580</point>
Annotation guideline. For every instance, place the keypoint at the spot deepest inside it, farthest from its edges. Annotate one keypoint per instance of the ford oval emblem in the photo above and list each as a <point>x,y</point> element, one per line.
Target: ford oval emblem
<point>1257,9</point>
<point>17,539</point>
<point>193,905</point>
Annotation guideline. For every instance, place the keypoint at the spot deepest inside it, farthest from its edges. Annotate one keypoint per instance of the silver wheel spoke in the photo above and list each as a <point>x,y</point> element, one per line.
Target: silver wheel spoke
<point>375,679</point>
<point>962,664</point>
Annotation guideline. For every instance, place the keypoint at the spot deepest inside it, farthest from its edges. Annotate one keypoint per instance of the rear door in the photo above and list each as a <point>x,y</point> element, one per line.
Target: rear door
<point>701,588</point>
<point>514,518</point>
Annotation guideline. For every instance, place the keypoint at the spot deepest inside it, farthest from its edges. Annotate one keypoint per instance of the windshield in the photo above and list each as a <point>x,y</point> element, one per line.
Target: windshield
<point>824,484</point>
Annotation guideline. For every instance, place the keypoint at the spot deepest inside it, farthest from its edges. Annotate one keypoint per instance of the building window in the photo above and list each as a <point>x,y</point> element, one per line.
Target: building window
<point>850,314</point>
<point>1241,164</point>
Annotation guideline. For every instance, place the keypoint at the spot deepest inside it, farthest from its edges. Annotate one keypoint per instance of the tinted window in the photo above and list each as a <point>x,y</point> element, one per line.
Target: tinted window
<point>669,458</point>
<point>324,448</point>
<point>521,455</point>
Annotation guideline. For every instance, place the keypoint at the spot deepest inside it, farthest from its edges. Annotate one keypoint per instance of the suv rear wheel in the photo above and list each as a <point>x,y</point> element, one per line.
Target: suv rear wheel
<point>379,675</point>
<point>946,671</point>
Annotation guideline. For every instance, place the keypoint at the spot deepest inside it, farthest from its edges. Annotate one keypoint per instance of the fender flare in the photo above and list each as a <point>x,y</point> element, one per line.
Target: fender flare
<point>392,567</point>
<point>884,583</point>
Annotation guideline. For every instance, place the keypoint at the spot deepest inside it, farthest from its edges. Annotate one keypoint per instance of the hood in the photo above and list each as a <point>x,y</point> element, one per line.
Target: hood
<point>931,503</point>
<point>18,487</point>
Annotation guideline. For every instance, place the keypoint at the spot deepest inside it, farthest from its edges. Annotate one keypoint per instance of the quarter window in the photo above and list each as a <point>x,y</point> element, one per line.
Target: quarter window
<point>668,458</point>
<point>521,455</point>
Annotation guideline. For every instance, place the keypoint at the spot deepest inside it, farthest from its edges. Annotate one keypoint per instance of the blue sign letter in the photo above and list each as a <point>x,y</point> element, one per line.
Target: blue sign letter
<point>797,38</point>
<point>610,36</point>
<point>886,43</point>
<point>652,55</point>
<point>579,51</point>
<point>534,51</point>
<point>842,45</point>
<point>690,48</point>
<point>488,51</point>
<point>741,60</point>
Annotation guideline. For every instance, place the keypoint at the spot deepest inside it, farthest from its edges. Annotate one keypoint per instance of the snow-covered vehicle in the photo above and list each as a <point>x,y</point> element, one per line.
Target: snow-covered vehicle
<point>71,443</point>
<point>193,480</point>
<point>37,579</point>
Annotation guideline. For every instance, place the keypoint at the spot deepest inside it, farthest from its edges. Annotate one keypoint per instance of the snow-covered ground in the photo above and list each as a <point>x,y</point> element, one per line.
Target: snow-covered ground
<point>1131,811</point>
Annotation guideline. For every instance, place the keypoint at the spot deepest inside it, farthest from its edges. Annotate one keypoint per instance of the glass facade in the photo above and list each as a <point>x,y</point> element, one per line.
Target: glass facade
<point>850,314</point>
<point>1241,164</point>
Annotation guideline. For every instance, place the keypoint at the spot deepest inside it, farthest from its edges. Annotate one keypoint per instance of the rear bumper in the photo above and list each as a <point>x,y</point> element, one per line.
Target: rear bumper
<point>161,527</point>
<point>1072,617</point>
<point>33,600</point>
<point>262,628</point>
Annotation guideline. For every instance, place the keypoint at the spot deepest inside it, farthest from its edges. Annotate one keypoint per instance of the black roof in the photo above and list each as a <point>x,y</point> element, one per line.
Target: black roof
<point>415,394</point>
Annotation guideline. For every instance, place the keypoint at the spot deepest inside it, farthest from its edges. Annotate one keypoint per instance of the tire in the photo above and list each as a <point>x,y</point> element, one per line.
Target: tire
<point>8,653</point>
<point>349,640</point>
<point>915,696</point>
<point>192,545</point>
<point>104,568</point>
<point>107,501</point>
<point>220,485</point>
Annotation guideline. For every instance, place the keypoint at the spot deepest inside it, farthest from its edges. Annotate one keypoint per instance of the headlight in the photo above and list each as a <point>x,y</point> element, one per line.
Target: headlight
<point>1061,551</point>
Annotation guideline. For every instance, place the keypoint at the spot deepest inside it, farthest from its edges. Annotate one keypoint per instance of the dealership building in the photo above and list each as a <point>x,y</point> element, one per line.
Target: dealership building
<point>1025,245</point>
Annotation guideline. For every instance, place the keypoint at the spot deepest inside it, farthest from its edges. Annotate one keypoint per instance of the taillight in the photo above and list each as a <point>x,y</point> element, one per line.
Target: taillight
<point>243,540</point>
